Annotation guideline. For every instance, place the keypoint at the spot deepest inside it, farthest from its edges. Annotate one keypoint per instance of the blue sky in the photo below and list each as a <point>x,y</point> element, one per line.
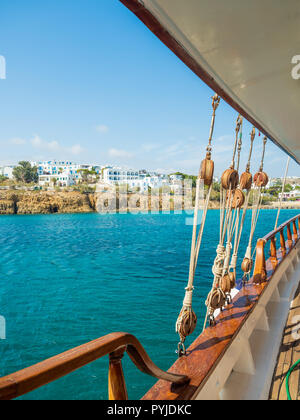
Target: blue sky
<point>87,81</point>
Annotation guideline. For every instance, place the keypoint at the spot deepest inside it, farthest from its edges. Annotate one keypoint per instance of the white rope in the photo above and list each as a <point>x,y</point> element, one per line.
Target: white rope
<point>199,240</point>
<point>238,232</point>
<point>196,240</point>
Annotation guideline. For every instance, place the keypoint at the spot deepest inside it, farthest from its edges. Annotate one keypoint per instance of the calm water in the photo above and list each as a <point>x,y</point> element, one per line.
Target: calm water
<point>69,279</point>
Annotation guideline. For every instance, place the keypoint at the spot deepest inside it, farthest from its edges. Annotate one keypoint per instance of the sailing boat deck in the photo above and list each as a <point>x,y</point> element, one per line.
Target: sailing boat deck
<point>288,355</point>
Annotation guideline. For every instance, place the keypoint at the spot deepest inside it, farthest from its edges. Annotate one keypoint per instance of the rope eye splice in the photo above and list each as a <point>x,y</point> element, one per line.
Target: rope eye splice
<point>187,319</point>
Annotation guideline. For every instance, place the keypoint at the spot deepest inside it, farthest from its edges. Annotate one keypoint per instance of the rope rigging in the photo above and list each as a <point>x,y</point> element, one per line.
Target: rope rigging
<point>260,181</point>
<point>282,191</point>
<point>231,199</point>
<point>245,184</point>
<point>187,319</point>
<point>234,203</point>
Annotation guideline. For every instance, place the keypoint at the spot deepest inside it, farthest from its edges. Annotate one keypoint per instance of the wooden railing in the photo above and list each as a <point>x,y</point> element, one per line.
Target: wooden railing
<point>286,243</point>
<point>114,345</point>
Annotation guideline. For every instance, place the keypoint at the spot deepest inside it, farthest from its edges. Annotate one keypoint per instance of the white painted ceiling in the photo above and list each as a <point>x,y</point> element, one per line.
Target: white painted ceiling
<point>247,47</point>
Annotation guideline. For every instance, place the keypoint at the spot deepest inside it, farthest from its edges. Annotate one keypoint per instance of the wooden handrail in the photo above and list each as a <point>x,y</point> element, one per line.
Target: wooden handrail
<point>273,233</point>
<point>259,274</point>
<point>114,345</point>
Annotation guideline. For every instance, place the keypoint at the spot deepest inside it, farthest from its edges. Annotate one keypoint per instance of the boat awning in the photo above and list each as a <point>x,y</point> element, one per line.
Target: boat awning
<point>243,50</point>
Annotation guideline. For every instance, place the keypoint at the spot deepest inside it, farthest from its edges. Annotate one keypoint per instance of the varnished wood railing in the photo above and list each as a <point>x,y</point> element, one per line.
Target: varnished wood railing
<point>114,345</point>
<point>291,229</point>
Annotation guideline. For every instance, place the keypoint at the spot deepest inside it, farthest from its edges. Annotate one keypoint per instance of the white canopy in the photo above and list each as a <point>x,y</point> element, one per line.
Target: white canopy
<point>243,50</point>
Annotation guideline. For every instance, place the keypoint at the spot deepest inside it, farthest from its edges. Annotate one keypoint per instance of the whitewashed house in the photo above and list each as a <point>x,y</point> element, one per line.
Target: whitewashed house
<point>64,179</point>
<point>288,195</point>
<point>7,171</point>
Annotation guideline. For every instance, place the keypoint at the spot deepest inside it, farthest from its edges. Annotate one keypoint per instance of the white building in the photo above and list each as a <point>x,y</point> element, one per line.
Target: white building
<point>7,171</point>
<point>63,169</point>
<point>291,194</point>
<point>64,179</point>
<point>142,180</point>
<point>175,178</point>
<point>119,176</point>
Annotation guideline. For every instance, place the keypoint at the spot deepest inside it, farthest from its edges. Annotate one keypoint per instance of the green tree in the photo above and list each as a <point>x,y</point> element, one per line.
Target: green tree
<point>216,186</point>
<point>288,188</point>
<point>26,173</point>
<point>87,174</point>
<point>185,176</point>
<point>84,174</point>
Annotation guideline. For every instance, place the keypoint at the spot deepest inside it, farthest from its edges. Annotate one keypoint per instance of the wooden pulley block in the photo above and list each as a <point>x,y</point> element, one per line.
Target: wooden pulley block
<point>247,265</point>
<point>246,181</point>
<point>230,179</point>
<point>225,284</point>
<point>188,322</point>
<point>238,199</point>
<point>207,171</point>
<point>232,277</point>
<point>261,179</point>
<point>216,299</point>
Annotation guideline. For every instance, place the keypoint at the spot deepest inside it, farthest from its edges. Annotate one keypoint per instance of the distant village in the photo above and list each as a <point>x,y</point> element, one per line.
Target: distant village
<point>62,174</point>
<point>67,174</point>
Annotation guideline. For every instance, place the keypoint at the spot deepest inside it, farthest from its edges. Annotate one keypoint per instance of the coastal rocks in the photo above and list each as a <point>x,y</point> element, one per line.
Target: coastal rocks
<point>8,202</point>
<point>7,207</point>
<point>44,202</point>
<point>49,202</point>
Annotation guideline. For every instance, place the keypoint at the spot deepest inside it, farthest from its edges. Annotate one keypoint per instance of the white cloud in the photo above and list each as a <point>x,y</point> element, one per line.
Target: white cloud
<point>102,128</point>
<point>18,141</point>
<point>39,143</point>
<point>36,141</point>
<point>149,147</point>
<point>119,153</point>
<point>54,146</point>
<point>76,149</point>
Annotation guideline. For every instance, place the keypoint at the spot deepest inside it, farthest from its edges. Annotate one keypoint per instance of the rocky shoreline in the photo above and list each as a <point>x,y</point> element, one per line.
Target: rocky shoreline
<point>49,202</point>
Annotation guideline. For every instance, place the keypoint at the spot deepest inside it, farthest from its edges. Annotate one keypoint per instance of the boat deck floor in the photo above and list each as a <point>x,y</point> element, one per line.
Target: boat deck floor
<point>289,354</point>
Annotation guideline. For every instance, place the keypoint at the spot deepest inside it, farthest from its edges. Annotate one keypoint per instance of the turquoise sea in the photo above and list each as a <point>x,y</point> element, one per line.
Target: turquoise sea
<point>69,279</point>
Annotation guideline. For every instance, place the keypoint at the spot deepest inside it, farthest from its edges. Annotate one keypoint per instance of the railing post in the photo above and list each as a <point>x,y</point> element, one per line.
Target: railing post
<point>273,251</point>
<point>289,235</point>
<point>282,243</point>
<point>116,381</point>
<point>295,232</point>
<point>260,272</point>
